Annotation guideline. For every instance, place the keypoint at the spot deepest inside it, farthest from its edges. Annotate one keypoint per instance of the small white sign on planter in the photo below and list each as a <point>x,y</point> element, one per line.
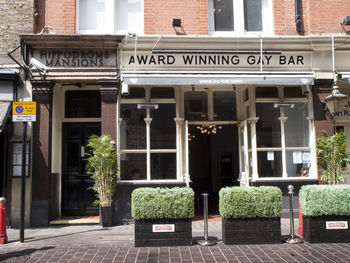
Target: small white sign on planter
<point>336,224</point>
<point>163,228</point>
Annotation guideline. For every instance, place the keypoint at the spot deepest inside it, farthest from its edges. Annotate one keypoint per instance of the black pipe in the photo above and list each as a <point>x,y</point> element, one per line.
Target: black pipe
<point>298,23</point>
<point>188,51</point>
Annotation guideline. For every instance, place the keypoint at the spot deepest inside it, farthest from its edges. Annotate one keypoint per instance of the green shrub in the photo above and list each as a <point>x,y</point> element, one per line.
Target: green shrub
<point>162,203</point>
<point>250,202</point>
<point>317,200</point>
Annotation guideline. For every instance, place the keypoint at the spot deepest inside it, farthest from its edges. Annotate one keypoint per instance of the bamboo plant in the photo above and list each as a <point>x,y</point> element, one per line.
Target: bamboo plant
<point>102,165</point>
<point>332,157</point>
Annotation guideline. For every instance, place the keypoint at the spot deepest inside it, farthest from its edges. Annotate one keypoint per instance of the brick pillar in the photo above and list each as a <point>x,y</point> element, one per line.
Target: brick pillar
<point>323,120</point>
<point>41,168</point>
<point>109,92</point>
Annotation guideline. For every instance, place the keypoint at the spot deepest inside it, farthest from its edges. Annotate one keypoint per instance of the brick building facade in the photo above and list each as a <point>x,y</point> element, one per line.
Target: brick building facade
<point>231,96</point>
<point>16,18</point>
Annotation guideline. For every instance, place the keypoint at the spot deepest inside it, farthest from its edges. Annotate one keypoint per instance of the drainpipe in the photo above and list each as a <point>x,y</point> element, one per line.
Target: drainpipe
<point>298,23</point>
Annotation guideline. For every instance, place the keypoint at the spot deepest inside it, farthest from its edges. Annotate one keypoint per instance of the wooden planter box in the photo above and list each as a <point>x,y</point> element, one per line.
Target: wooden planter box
<point>147,232</point>
<point>251,231</point>
<point>315,230</point>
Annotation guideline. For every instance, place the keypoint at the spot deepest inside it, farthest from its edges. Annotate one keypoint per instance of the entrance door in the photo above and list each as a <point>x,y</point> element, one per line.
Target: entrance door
<point>77,199</point>
<point>213,161</point>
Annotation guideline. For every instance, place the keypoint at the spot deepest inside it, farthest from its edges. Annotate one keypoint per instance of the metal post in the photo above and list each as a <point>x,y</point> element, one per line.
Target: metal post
<point>293,239</point>
<point>206,241</point>
<point>23,182</point>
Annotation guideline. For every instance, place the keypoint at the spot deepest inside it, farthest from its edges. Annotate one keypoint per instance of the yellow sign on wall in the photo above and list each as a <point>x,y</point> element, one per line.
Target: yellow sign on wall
<point>24,111</point>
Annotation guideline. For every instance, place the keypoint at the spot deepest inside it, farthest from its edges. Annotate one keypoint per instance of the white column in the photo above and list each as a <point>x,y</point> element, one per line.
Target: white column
<point>283,144</point>
<point>252,122</point>
<point>179,123</point>
<point>148,146</point>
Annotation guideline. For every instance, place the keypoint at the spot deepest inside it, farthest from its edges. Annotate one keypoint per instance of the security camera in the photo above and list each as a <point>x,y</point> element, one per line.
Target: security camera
<point>125,89</point>
<point>40,66</point>
<point>305,89</point>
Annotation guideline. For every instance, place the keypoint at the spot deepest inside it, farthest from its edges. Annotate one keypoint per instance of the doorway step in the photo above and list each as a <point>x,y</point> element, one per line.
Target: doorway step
<point>76,220</point>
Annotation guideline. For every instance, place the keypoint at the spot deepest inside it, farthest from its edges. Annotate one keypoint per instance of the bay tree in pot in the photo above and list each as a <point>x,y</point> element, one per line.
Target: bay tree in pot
<point>102,165</point>
<point>250,215</point>
<point>163,216</point>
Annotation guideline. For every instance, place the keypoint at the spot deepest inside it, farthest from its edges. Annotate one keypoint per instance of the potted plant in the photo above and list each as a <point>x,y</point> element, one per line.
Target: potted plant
<point>251,215</point>
<point>163,216</point>
<point>102,165</point>
<point>326,213</point>
<point>332,157</point>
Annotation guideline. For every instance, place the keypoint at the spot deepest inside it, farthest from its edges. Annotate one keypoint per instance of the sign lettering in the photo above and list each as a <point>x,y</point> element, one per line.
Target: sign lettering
<point>163,228</point>
<point>336,224</point>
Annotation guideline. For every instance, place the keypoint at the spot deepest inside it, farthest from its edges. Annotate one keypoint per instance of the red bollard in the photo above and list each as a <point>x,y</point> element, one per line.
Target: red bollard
<point>300,228</point>
<point>3,235</point>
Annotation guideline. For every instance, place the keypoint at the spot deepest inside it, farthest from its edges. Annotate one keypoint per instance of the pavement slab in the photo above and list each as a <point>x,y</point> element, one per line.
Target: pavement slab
<point>91,243</point>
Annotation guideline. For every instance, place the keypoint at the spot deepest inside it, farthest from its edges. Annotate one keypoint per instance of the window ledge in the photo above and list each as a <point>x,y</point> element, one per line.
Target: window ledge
<point>280,179</point>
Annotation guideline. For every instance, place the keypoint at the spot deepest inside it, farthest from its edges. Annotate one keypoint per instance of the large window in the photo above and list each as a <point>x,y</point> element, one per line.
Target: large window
<point>240,16</point>
<point>148,134</point>
<point>109,16</point>
<point>282,132</point>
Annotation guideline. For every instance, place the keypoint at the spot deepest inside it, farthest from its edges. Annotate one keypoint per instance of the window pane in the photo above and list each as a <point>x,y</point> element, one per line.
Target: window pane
<point>163,166</point>
<point>223,15</point>
<point>133,166</point>
<point>91,14</point>
<point>162,93</point>
<point>225,105</point>
<point>293,92</point>
<point>266,92</point>
<point>132,128</point>
<point>196,106</point>
<point>253,15</point>
<point>270,164</point>
<point>268,127</point>
<point>163,127</point>
<point>83,104</point>
<point>297,126</point>
<point>297,164</point>
<point>135,93</point>
<point>128,16</point>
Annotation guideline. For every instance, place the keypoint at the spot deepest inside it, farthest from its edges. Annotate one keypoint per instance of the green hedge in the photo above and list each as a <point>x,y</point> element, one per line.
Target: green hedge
<point>162,203</point>
<point>250,202</point>
<point>317,200</point>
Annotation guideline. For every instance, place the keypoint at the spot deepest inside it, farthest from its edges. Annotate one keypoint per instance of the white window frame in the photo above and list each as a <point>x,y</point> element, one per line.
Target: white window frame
<point>148,150</point>
<point>238,14</point>
<point>109,20</point>
<point>283,148</point>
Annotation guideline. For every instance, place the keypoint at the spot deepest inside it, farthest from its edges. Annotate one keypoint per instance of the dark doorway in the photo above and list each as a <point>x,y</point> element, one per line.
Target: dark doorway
<point>214,162</point>
<point>3,164</point>
<point>77,199</point>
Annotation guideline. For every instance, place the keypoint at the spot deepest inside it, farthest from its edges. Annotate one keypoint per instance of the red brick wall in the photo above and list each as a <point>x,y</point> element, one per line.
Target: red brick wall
<point>318,16</point>
<point>160,13</point>
<point>324,16</point>
<point>58,14</point>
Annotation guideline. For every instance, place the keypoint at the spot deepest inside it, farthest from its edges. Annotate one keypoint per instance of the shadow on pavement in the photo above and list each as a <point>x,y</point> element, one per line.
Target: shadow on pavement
<point>33,239</point>
<point>21,253</point>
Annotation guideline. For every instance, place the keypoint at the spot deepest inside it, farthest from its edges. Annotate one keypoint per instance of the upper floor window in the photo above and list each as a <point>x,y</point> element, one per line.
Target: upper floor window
<point>109,16</point>
<point>240,16</point>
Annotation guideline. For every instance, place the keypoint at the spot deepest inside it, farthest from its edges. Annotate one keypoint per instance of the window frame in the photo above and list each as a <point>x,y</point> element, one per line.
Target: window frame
<point>110,18</point>
<point>148,122</point>
<point>284,149</point>
<point>239,21</point>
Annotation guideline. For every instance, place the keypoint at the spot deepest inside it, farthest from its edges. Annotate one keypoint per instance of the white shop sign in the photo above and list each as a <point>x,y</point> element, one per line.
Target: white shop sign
<point>336,224</point>
<point>163,228</point>
<point>147,60</point>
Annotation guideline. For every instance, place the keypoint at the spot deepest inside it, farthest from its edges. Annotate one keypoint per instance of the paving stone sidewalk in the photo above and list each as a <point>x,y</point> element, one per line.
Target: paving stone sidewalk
<point>115,244</point>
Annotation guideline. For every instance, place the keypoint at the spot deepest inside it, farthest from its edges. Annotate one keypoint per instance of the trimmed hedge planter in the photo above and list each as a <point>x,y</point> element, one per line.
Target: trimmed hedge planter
<point>251,215</point>
<point>326,213</point>
<point>163,216</point>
